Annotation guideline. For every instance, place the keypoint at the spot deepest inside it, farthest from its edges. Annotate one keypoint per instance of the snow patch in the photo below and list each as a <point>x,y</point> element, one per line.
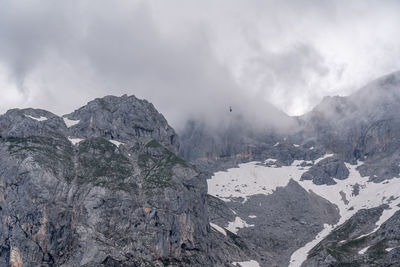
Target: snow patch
<point>252,216</point>
<point>250,179</point>
<point>300,255</point>
<point>361,252</point>
<point>75,141</point>
<point>361,236</point>
<point>237,224</point>
<point>370,195</point>
<point>250,263</point>
<point>37,119</point>
<point>276,144</point>
<point>324,157</point>
<point>296,145</point>
<point>253,178</point>
<point>70,123</point>
<point>218,228</point>
<point>390,249</point>
<point>116,143</point>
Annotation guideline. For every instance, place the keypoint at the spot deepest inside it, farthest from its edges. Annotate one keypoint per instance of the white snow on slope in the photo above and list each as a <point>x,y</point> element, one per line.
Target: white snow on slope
<point>116,143</point>
<point>301,254</point>
<point>37,119</point>
<point>361,252</point>
<point>251,263</point>
<point>218,228</point>
<point>249,179</point>
<point>70,123</point>
<point>237,224</point>
<point>321,158</point>
<point>390,249</point>
<point>253,178</point>
<point>371,195</point>
<point>75,141</point>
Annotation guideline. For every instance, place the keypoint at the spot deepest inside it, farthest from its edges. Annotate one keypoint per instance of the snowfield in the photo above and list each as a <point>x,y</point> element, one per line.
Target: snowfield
<point>264,177</point>
<point>250,179</point>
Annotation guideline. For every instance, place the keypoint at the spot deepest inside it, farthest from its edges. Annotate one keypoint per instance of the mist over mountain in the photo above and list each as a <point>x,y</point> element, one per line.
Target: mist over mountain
<point>346,150</point>
<point>149,133</point>
<point>193,59</point>
<point>113,184</point>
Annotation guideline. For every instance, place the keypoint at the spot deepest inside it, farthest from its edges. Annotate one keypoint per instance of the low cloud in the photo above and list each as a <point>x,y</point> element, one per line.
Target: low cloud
<point>193,59</point>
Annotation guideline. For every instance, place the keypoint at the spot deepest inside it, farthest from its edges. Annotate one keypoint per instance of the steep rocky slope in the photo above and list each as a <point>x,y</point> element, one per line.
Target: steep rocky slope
<point>238,138</point>
<point>364,126</point>
<point>346,150</point>
<point>353,244</point>
<point>102,186</point>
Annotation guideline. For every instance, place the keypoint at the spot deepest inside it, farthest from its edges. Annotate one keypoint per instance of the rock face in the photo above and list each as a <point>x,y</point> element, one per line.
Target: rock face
<point>361,129</point>
<point>280,222</point>
<point>107,191</point>
<point>364,126</point>
<point>123,118</point>
<point>104,185</point>
<point>353,244</point>
<point>213,150</point>
<point>325,170</point>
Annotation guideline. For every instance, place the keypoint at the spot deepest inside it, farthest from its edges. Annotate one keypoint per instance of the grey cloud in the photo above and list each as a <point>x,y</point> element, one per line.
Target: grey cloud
<point>285,75</point>
<point>28,31</point>
<point>191,58</point>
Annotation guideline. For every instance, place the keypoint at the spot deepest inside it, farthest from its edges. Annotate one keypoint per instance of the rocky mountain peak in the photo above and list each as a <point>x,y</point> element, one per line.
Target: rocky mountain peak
<point>30,122</point>
<point>100,186</point>
<point>124,118</point>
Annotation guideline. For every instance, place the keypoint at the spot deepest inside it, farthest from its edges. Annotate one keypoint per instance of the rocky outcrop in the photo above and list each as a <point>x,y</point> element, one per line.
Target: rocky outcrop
<point>324,171</point>
<point>356,244</point>
<point>123,118</point>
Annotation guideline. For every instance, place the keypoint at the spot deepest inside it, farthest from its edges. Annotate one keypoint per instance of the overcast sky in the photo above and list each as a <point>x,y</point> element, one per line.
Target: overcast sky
<point>193,57</point>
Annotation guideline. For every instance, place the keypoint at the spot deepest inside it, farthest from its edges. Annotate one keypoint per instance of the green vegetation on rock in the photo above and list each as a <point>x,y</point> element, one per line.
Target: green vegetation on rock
<point>156,164</point>
<point>101,163</point>
<point>52,153</point>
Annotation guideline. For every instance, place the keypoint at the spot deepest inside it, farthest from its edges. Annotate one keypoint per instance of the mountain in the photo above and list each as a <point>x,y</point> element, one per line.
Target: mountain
<point>364,126</point>
<point>113,184</point>
<point>324,190</point>
<point>239,136</point>
<point>102,186</point>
